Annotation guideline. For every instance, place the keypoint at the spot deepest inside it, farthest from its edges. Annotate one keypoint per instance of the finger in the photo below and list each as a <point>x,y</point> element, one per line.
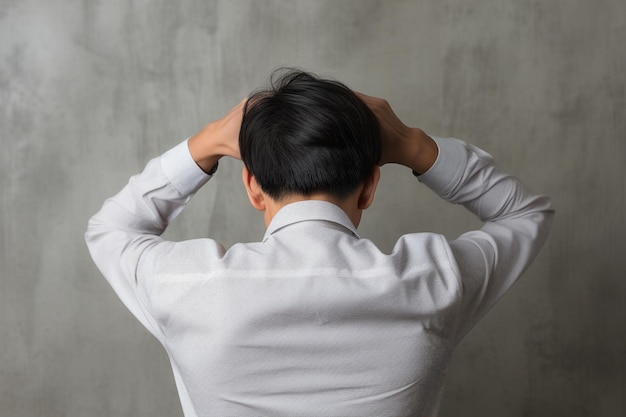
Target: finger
<point>365,96</point>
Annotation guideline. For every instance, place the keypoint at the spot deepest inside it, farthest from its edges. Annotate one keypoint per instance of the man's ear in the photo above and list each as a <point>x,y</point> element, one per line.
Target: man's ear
<point>369,188</point>
<point>255,194</point>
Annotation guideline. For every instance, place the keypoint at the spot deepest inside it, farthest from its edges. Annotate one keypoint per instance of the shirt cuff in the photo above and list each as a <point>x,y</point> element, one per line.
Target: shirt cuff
<point>448,169</point>
<point>182,171</point>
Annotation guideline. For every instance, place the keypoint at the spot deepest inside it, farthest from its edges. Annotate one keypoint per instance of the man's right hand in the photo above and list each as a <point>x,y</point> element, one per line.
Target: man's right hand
<point>401,144</point>
<point>217,139</point>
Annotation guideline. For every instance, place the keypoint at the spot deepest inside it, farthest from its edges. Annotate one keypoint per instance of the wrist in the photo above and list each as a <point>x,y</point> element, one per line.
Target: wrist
<point>203,150</point>
<point>422,152</point>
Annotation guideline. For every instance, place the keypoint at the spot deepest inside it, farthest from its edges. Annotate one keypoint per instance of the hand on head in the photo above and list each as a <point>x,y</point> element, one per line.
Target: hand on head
<point>401,144</point>
<point>217,139</point>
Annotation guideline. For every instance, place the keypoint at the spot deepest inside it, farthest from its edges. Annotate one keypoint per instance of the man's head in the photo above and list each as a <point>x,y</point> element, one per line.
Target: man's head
<point>307,135</point>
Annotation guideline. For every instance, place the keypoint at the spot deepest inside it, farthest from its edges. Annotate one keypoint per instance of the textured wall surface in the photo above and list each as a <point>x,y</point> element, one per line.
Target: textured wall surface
<point>89,90</point>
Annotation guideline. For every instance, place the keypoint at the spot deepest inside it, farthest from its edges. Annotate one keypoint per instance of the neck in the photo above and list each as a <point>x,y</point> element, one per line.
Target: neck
<point>349,205</point>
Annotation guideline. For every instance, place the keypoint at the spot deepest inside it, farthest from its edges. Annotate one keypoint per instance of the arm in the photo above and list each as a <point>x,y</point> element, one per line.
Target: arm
<point>132,221</point>
<point>516,221</point>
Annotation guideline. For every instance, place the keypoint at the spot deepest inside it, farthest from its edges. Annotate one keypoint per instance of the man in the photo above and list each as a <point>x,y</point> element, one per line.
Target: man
<point>313,320</point>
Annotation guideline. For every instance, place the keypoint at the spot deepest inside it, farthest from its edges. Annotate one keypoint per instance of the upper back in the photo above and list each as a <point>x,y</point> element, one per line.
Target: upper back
<point>313,318</point>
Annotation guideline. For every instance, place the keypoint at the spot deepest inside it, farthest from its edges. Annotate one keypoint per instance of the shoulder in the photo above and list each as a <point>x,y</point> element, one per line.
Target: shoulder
<point>431,254</point>
<point>187,256</point>
<point>426,247</point>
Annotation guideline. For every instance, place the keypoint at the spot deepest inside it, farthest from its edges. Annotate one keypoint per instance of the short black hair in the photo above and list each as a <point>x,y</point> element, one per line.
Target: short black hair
<point>306,134</point>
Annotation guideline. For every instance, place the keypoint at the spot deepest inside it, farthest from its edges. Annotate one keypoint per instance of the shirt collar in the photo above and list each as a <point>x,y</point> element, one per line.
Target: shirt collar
<point>309,210</point>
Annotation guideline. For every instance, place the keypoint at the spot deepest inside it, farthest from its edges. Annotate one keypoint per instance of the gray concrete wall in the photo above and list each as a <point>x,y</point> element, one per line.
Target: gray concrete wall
<point>89,90</point>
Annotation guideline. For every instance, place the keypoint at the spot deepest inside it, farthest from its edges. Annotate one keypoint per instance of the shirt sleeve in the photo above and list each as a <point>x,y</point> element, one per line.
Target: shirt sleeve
<point>516,224</point>
<point>132,221</point>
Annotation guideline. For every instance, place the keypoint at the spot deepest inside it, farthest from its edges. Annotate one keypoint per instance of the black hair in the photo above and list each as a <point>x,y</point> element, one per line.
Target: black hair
<point>306,134</point>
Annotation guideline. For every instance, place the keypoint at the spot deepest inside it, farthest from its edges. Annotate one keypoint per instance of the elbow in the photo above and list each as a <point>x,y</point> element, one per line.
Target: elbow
<point>95,229</point>
<point>90,233</point>
<point>541,209</point>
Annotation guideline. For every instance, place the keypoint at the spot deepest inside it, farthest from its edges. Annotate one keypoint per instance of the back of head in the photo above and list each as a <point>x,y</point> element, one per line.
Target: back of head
<point>308,135</point>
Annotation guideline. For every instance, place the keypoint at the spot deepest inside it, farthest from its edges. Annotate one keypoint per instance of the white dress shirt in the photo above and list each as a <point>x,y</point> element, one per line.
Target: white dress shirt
<point>314,320</point>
